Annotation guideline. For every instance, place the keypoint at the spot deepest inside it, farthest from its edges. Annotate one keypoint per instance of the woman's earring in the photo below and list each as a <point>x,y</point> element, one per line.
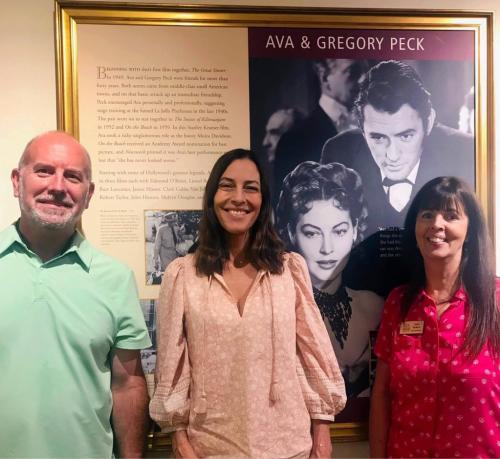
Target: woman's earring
<point>291,234</point>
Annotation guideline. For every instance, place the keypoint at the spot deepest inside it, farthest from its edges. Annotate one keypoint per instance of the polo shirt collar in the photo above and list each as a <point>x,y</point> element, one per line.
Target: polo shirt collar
<point>8,237</point>
<point>81,247</point>
<point>78,244</point>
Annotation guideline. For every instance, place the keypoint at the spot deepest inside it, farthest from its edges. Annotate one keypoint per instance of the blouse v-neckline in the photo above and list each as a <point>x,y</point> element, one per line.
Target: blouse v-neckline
<point>251,288</point>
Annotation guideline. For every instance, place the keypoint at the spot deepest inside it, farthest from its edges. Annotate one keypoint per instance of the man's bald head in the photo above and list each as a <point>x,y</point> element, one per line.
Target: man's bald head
<point>51,138</point>
<point>53,183</point>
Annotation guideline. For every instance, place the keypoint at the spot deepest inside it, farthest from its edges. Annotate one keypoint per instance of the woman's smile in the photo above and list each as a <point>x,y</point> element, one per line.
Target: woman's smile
<point>238,199</point>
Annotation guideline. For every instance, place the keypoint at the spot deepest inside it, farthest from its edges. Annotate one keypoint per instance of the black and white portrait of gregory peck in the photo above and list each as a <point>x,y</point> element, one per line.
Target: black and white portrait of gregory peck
<point>168,235</point>
<point>399,144</point>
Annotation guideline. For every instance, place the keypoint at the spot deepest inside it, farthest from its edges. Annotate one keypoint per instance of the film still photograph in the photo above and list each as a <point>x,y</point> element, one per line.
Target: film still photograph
<point>346,144</point>
<point>169,234</point>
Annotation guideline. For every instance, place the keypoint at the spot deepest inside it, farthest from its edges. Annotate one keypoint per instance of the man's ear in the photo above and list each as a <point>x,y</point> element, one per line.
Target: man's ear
<point>90,194</point>
<point>430,121</point>
<point>322,74</point>
<point>15,176</point>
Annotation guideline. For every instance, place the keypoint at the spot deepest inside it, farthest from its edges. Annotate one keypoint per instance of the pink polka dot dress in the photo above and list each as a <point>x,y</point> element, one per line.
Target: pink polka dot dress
<point>443,403</point>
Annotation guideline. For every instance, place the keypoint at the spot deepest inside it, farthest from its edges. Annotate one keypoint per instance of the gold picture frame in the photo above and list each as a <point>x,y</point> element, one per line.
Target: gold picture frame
<point>70,16</point>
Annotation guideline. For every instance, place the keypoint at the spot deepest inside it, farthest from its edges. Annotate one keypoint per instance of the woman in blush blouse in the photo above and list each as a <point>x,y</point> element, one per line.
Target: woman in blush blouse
<point>437,387</point>
<point>245,367</point>
<point>322,214</point>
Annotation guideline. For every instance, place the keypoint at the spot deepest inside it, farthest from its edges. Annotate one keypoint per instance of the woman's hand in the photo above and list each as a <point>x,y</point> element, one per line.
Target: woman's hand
<point>181,446</point>
<point>322,444</point>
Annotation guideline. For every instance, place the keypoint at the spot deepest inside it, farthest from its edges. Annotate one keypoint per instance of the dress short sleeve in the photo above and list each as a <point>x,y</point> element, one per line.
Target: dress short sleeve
<point>132,332</point>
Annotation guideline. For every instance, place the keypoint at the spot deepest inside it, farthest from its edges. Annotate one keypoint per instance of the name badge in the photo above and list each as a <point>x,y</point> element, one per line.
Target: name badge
<point>412,327</point>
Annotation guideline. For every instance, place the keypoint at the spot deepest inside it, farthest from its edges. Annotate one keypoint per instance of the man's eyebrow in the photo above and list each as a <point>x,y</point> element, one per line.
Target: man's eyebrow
<point>71,170</point>
<point>378,134</point>
<point>42,164</point>
<point>398,134</point>
<point>406,132</point>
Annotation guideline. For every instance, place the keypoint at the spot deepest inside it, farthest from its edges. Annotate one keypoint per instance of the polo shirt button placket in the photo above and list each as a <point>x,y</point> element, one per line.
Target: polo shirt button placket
<point>38,290</point>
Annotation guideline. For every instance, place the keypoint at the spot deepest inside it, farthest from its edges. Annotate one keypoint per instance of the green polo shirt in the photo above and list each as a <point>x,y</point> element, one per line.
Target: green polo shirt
<point>59,320</point>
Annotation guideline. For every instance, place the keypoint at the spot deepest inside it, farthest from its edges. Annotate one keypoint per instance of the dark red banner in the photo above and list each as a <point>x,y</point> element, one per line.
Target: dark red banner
<point>364,44</point>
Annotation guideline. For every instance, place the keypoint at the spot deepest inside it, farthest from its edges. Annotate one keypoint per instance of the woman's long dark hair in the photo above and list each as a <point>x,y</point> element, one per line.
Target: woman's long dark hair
<point>264,248</point>
<point>477,268</point>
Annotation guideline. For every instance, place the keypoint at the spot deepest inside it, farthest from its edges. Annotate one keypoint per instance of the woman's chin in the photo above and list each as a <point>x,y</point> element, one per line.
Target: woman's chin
<point>324,283</point>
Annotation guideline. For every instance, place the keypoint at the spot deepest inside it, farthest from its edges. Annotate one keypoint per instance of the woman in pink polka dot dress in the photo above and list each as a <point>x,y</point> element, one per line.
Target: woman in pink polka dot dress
<point>437,387</point>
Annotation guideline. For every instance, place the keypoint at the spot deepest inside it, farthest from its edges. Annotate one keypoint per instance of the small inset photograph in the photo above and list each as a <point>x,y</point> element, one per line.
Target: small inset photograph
<point>149,311</point>
<point>169,234</point>
<point>148,359</point>
<point>148,356</point>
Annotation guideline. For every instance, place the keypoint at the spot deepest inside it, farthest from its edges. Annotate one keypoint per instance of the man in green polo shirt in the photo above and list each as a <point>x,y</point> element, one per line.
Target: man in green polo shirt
<point>71,382</point>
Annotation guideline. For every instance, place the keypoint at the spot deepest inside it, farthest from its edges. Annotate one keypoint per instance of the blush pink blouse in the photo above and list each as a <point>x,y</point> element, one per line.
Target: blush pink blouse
<point>442,403</point>
<point>244,386</point>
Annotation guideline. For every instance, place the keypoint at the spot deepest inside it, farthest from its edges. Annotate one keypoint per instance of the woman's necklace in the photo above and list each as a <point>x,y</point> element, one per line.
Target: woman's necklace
<point>337,309</point>
<point>240,261</point>
<point>442,301</point>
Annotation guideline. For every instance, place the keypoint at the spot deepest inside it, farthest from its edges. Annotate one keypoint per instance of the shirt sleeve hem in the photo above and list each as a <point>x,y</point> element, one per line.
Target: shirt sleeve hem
<point>133,345</point>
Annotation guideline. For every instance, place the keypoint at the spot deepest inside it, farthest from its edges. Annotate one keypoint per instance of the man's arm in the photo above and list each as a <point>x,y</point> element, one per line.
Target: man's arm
<point>130,403</point>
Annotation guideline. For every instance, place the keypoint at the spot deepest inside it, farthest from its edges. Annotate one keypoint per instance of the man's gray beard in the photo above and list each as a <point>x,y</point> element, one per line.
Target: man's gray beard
<point>34,217</point>
<point>38,221</point>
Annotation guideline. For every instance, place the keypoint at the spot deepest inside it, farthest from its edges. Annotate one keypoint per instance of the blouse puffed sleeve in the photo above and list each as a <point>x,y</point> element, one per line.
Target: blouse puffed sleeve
<point>170,404</point>
<point>320,378</point>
